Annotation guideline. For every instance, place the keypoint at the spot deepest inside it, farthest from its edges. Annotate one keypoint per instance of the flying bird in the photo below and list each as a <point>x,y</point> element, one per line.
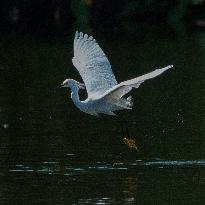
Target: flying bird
<point>105,94</point>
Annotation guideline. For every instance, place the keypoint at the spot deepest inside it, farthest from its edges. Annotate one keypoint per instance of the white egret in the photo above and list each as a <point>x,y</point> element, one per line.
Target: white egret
<point>105,94</point>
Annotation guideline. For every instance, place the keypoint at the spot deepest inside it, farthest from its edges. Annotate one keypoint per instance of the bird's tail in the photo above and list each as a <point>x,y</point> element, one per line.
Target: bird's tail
<point>129,101</point>
<point>124,103</point>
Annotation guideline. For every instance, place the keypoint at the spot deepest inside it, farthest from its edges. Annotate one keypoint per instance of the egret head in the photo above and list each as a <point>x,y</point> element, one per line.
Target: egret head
<point>71,83</point>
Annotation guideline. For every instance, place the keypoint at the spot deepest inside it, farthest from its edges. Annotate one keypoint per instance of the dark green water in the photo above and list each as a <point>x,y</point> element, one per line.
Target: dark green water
<point>51,153</point>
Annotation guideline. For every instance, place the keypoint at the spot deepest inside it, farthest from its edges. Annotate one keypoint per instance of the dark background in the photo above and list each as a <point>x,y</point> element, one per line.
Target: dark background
<point>57,18</point>
<point>51,153</point>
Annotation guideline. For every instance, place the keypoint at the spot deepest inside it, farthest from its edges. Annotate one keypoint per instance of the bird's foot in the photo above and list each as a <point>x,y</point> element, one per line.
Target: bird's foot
<point>130,143</point>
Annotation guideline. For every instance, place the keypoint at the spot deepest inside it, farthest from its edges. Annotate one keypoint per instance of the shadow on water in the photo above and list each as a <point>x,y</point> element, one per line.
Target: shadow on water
<point>39,127</point>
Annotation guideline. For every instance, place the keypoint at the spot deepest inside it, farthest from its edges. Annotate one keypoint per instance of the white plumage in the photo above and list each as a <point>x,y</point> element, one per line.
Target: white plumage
<point>93,65</point>
<point>105,95</point>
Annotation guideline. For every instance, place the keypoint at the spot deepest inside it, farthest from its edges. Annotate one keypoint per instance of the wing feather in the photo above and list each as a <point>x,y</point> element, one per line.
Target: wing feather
<point>93,65</point>
<point>125,87</point>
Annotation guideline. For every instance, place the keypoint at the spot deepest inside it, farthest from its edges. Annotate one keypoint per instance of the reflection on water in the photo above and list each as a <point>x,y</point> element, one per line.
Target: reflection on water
<point>56,168</point>
<point>101,201</point>
<point>51,153</point>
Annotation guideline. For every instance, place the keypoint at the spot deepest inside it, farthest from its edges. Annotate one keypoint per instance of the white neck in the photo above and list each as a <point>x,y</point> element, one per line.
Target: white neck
<point>75,96</point>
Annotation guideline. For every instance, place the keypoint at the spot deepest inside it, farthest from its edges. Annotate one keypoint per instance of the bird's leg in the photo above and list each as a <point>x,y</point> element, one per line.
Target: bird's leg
<point>122,128</point>
<point>127,130</point>
<point>125,134</point>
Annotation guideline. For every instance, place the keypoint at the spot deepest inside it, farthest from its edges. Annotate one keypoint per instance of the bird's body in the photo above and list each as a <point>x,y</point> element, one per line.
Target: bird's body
<point>105,94</point>
<point>92,106</point>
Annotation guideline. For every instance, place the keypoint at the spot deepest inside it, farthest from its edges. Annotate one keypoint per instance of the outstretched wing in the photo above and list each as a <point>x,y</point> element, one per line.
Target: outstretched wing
<point>123,88</point>
<point>93,65</point>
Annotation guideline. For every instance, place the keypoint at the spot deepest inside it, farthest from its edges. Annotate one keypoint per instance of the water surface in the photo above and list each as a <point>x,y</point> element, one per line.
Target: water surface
<point>51,153</point>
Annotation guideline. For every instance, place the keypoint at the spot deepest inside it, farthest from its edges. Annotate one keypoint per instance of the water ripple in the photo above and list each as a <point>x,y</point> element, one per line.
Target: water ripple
<point>55,167</point>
